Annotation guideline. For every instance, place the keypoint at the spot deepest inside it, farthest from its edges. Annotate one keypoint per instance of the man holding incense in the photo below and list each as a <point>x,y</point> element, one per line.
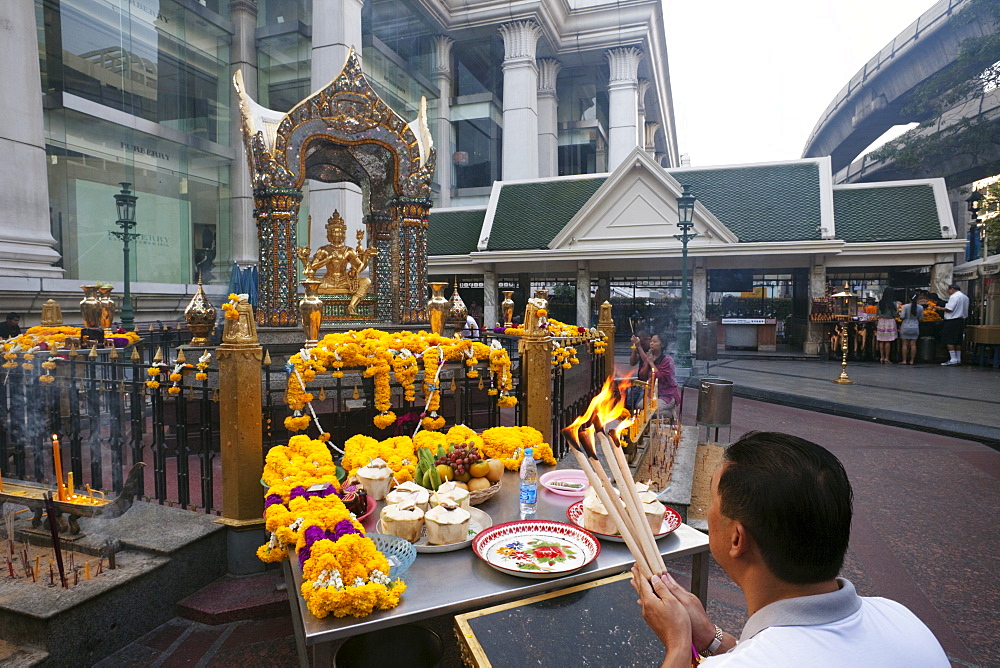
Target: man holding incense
<point>779,523</point>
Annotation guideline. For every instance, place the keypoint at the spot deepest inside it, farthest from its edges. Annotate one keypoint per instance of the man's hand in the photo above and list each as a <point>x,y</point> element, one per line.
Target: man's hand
<point>665,614</point>
<point>702,629</point>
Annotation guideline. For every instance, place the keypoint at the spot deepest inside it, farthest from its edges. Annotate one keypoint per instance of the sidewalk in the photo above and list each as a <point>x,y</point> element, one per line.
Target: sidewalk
<point>961,401</point>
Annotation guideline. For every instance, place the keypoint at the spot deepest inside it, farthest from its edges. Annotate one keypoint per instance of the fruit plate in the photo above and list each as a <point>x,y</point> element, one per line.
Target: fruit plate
<point>536,549</point>
<point>551,480</point>
<point>671,520</point>
<point>477,523</point>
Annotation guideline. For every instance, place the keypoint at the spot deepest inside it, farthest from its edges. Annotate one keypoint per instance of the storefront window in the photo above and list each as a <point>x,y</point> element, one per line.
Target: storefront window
<point>158,61</point>
<point>746,294</point>
<point>283,70</point>
<point>478,67</point>
<point>279,12</point>
<point>478,149</point>
<point>182,212</point>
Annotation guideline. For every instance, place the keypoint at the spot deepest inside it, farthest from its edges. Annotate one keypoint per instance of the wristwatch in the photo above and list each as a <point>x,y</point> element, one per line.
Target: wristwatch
<point>716,643</point>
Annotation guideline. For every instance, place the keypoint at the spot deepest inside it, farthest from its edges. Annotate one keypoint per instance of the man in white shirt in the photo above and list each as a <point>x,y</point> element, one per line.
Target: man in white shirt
<point>779,524</point>
<point>955,313</point>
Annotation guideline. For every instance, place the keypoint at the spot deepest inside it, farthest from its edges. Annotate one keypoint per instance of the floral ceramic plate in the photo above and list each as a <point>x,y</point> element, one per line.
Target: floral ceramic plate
<point>671,521</point>
<point>477,523</point>
<point>568,482</point>
<point>536,548</point>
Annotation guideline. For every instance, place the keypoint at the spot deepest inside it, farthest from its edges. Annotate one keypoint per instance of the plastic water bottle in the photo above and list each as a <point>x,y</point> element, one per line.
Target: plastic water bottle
<point>529,485</point>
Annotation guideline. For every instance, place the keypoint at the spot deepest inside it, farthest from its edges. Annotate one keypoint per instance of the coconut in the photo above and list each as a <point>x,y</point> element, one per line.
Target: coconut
<point>447,523</point>
<point>407,491</point>
<point>595,515</point>
<point>376,478</point>
<point>452,492</point>
<point>405,520</point>
<point>653,510</point>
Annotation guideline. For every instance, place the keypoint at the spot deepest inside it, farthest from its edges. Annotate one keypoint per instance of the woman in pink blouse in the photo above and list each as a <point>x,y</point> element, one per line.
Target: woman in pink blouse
<point>657,362</point>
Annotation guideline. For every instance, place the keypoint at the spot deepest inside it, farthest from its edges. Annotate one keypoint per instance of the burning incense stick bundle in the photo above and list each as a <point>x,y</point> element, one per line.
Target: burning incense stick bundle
<point>626,513</point>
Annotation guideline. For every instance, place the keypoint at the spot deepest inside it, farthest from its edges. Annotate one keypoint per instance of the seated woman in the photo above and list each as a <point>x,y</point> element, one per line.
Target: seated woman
<point>656,362</point>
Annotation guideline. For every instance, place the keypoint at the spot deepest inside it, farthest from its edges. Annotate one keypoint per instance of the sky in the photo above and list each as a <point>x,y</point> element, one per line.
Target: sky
<point>751,79</point>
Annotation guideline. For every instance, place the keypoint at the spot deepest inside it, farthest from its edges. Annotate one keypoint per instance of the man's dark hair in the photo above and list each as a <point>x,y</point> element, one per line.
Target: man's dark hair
<point>955,287</point>
<point>794,498</point>
<point>12,315</point>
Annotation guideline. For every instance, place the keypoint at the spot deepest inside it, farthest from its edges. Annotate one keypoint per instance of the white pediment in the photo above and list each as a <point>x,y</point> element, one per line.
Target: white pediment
<point>637,208</point>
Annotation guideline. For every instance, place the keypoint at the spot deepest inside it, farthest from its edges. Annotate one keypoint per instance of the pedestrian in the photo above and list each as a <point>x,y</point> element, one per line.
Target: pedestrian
<point>470,330</point>
<point>779,522</point>
<point>11,326</point>
<point>885,328</point>
<point>656,363</point>
<point>955,313</point>
<point>640,341</point>
<point>909,328</point>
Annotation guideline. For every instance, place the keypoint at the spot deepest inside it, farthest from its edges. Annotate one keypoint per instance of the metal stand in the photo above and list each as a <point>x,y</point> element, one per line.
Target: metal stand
<point>843,379</point>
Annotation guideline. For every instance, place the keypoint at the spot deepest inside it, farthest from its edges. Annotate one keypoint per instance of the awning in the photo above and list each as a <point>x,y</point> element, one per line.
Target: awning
<point>975,268</point>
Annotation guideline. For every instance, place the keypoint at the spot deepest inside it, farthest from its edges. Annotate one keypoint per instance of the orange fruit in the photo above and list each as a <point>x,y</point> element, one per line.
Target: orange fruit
<point>445,472</point>
<point>479,469</point>
<point>477,484</point>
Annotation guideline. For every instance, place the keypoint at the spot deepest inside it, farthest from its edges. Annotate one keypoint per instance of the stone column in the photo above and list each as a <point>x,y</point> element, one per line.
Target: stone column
<point>26,243</point>
<point>941,274</point>
<point>277,215</point>
<point>643,87</point>
<point>520,100</point>
<point>583,293</point>
<point>242,452</point>
<point>336,29</point>
<point>623,103</point>
<point>649,143</point>
<point>243,56</point>
<point>817,290</point>
<point>536,356</point>
<point>699,294</point>
<point>491,310</point>
<point>442,123</point>
<point>548,119</point>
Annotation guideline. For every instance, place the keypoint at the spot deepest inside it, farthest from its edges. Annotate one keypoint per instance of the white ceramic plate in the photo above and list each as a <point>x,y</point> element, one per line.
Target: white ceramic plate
<point>477,523</point>
<point>671,520</point>
<point>572,476</point>
<point>536,549</point>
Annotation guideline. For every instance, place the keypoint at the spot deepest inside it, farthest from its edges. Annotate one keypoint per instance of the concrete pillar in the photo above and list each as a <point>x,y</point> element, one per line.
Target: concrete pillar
<point>336,29</point>
<point>941,274</point>
<point>548,120</point>
<point>520,100</point>
<point>243,56</point>
<point>623,103</point>
<point>583,293</point>
<point>817,290</point>
<point>641,122</point>
<point>699,294</point>
<point>26,242</point>
<point>442,122</point>
<point>491,310</point>
<point>650,140</point>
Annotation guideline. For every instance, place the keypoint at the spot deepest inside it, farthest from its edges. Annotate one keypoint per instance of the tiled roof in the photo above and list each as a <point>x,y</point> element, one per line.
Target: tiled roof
<point>761,203</point>
<point>889,213</point>
<point>454,232</point>
<point>529,215</point>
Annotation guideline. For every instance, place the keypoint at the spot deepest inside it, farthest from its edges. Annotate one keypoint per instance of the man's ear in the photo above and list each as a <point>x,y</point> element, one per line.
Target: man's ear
<point>740,540</point>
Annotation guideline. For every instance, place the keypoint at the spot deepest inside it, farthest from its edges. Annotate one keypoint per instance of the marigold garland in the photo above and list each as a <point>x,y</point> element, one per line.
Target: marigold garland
<point>229,308</point>
<point>343,572</point>
<point>508,443</point>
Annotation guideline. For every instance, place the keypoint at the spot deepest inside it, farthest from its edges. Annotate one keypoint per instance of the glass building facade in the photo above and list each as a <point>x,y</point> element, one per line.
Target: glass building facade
<point>138,91</point>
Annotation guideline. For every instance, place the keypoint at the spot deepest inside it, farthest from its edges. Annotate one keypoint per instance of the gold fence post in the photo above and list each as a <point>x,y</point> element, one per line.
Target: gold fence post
<point>536,355</point>
<point>606,326</point>
<point>240,420</point>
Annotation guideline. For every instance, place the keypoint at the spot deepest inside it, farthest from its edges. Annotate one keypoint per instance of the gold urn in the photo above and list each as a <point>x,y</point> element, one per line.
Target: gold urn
<point>507,306</point>
<point>437,308</point>
<point>311,311</point>
<point>200,317</point>
<point>90,306</point>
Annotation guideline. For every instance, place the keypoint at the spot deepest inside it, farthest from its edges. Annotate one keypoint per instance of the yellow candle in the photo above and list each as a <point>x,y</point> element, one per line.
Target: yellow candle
<point>86,570</point>
<point>1,481</point>
<point>57,461</point>
<point>37,560</point>
<point>69,485</point>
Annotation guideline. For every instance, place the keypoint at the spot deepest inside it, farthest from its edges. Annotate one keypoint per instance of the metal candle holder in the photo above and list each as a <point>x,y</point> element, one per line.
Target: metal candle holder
<point>846,294</point>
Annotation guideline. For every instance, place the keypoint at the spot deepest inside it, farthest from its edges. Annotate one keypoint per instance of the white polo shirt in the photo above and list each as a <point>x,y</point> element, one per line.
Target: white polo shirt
<point>957,306</point>
<point>839,629</point>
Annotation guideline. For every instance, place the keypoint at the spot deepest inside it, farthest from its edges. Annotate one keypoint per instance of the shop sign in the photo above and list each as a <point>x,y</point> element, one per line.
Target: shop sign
<point>965,274</point>
<point>990,268</point>
<point>749,321</point>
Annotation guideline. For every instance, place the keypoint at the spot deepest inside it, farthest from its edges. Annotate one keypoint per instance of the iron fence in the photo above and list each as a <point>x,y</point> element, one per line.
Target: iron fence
<point>107,419</point>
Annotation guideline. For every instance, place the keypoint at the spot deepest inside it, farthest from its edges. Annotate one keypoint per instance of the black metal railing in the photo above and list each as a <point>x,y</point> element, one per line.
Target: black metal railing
<point>572,391</point>
<point>98,403</point>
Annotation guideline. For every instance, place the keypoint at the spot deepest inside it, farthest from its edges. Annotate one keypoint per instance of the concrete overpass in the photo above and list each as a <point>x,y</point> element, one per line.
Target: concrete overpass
<point>873,100</point>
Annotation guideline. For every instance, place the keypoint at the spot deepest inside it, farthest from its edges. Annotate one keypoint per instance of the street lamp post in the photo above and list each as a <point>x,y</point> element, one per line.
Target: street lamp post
<point>975,240</point>
<point>685,215</point>
<point>125,201</point>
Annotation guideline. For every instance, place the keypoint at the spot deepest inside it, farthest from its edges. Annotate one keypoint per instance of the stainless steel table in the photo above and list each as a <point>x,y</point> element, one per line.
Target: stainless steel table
<point>437,584</point>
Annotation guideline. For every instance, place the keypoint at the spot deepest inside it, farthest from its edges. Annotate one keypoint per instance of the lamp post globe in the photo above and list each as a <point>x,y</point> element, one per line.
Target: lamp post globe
<point>125,203</point>
<point>685,218</point>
